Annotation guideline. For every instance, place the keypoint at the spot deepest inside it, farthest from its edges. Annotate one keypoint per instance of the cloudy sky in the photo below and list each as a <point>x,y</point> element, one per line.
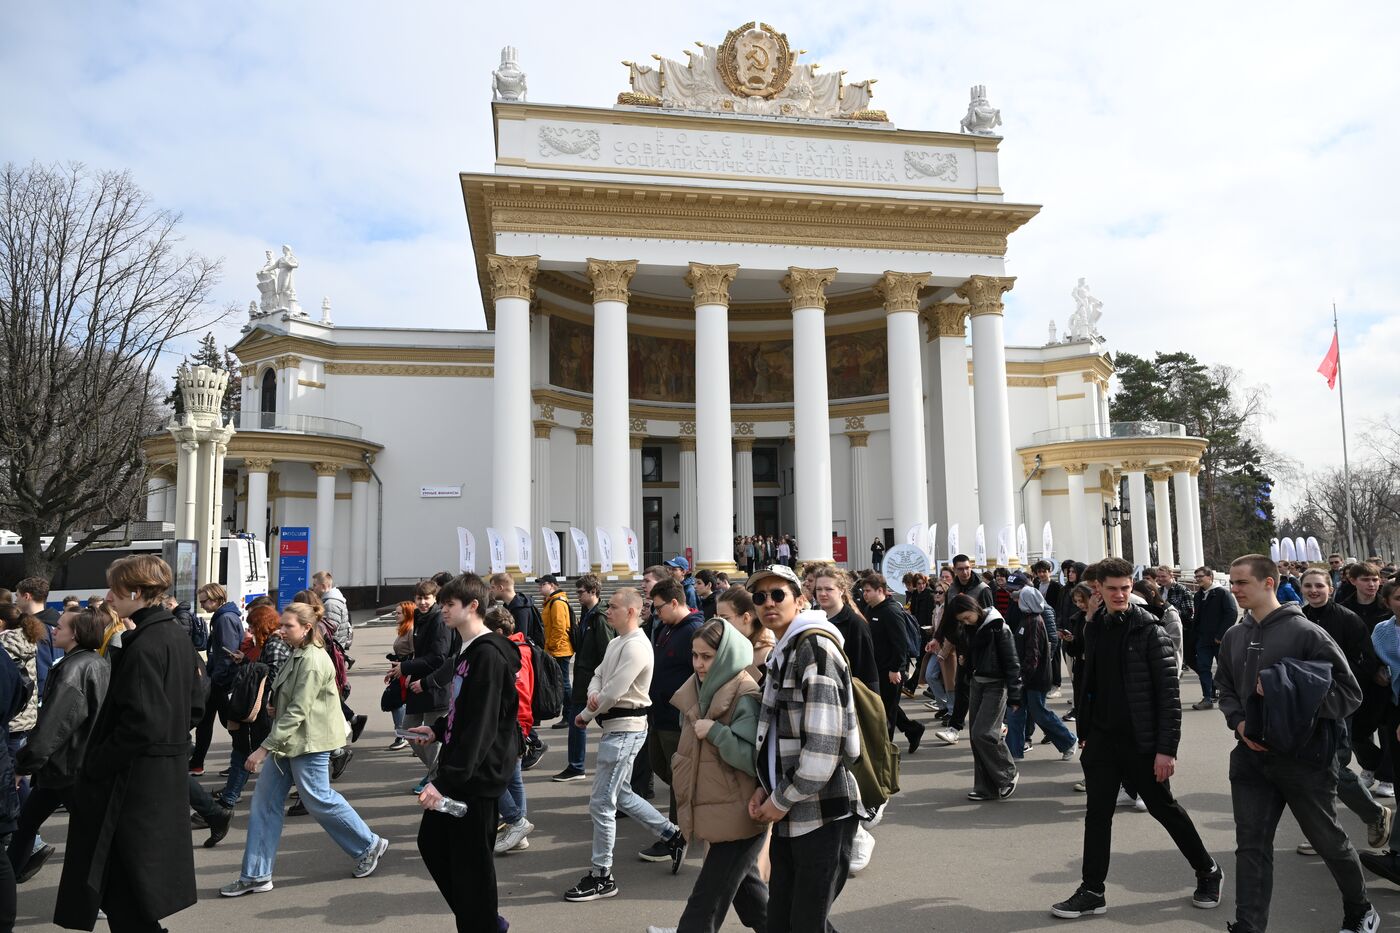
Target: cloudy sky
<point>1221,173</point>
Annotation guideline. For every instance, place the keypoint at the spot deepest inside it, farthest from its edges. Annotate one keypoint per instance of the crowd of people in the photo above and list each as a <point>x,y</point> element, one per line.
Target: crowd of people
<point>754,551</point>
<point>768,710</point>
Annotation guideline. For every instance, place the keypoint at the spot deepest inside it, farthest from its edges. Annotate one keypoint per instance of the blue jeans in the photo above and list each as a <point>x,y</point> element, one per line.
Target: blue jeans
<point>578,739</point>
<point>396,714</point>
<point>313,779</point>
<point>512,802</point>
<point>1033,710</point>
<point>933,673</point>
<point>612,790</point>
<point>1205,660</point>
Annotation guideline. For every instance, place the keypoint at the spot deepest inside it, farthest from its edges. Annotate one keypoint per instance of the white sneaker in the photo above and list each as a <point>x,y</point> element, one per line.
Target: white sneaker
<point>1383,789</point>
<point>1123,799</point>
<point>1140,805</point>
<point>947,736</point>
<point>878,815</point>
<point>661,930</point>
<point>1368,778</point>
<point>1068,754</point>
<point>862,847</point>
<point>513,835</point>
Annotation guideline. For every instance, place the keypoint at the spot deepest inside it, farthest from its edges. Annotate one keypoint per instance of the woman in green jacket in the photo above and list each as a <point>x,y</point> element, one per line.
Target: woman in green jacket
<point>307,726</point>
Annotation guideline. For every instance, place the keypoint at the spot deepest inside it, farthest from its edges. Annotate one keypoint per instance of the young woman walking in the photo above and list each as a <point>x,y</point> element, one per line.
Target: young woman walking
<point>995,687</point>
<point>714,775</point>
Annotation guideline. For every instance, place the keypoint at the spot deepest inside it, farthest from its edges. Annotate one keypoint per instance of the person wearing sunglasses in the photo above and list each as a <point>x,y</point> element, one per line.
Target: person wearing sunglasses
<point>807,730</point>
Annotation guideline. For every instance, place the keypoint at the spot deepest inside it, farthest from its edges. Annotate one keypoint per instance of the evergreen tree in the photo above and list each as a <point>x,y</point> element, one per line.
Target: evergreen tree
<point>210,355</point>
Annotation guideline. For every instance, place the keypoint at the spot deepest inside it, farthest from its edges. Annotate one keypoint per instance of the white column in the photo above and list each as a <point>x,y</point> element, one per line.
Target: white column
<point>172,492</point>
<point>810,414</point>
<point>256,522</point>
<point>204,510</point>
<point>539,494</point>
<point>908,456</point>
<point>216,511</point>
<point>1035,518</point>
<point>323,534</point>
<point>155,497</point>
<point>634,476</point>
<point>1077,548</point>
<point>1137,511</point>
<point>1095,546</point>
<point>291,377</point>
<point>714,455</point>
<point>950,419</point>
<point>1185,530</point>
<point>690,503</point>
<point>1115,500</point>
<point>743,485</point>
<point>188,494</point>
<point>359,527</point>
<point>861,528</point>
<point>372,565</point>
<point>612,508</point>
<point>1199,528</point>
<point>1162,512</point>
<point>512,279</point>
<point>583,492</point>
<point>992,413</point>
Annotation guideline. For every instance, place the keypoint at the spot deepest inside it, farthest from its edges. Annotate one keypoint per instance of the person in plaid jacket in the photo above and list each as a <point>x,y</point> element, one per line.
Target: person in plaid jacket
<point>807,732</point>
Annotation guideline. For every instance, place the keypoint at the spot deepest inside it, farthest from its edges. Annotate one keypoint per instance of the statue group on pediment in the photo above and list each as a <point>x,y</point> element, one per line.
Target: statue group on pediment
<point>277,286</point>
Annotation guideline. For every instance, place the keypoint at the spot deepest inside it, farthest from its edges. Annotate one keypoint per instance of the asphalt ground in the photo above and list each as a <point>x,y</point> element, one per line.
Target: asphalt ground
<point>941,863</point>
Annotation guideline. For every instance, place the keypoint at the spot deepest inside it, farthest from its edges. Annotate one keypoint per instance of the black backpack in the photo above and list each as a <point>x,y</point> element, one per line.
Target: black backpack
<point>247,695</point>
<point>576,630</point>
<point>547,702</point>
<point>914,642</point>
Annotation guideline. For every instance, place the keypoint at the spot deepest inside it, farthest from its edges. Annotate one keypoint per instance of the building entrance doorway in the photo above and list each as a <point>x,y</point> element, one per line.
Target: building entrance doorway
<point>651,531</point>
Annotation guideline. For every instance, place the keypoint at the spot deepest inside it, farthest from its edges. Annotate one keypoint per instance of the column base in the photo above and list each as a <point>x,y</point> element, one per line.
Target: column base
<point>718,566</point>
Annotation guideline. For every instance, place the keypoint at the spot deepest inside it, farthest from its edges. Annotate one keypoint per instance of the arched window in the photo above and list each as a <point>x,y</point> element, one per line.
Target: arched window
<point>267,402</point>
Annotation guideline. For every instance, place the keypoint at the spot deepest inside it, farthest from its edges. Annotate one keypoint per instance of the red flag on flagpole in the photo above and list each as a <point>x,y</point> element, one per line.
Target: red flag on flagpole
<point>1329,363</point>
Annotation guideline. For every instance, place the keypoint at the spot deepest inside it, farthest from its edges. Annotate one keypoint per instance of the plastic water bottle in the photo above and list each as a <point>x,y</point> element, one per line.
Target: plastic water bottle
<point>450,807</point>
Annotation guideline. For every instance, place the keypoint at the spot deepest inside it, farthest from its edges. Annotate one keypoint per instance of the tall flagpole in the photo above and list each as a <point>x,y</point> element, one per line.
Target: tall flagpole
<point>1341,401</point>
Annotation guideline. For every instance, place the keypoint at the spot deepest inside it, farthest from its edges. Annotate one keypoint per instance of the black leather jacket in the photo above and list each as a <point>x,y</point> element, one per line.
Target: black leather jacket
<point>991,652</point>
<point>73,694</point>
<point>1150,679</point>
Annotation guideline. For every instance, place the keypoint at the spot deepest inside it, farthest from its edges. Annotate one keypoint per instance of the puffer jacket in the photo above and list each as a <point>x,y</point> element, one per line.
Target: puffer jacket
<point>1150,680</point>
<point>23,652</point>
<point>715,777</point>
<point>74,693</point>
<point>991,652</point>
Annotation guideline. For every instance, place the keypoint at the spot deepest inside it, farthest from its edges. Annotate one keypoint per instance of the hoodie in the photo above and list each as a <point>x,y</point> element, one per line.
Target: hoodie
<point>480,735</point>
<point>671,669</point>
<point>1251,646</point>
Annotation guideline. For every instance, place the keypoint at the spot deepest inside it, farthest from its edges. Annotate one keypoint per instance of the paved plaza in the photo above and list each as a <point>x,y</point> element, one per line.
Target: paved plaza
<point>941,863</point>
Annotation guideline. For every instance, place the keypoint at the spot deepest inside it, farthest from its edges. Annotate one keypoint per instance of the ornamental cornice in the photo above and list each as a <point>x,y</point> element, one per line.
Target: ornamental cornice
<point>280,447</point>
<point>687,428</point>
<point>583,437</point>
<point>1118,453</point>
<point>611,278</point>
<point>573,288</point>
<point>408,369</point>
<point>858,438</point>
<point>257,464</point>
<point>543,429</point>
<point>638,426</point>
<point>324,468</point>
<point>711,283</point>
<point>640,412</point>
<point>983,293</point>
<point>807,286</point>
<point>546,412</point>
<point>512,276</point>
<point>359,476</point>
<point>945,319</point>
<point>1075,469</point>
<point>900,290</point>
<point>743,428</point>
<point>1135,466</point>
<point>855,423</point>
<point>261,348</point>
<point>1179,466</point>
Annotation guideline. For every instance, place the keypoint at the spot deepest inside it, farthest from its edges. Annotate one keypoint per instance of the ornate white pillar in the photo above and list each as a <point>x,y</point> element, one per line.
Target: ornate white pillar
<point>512,282</point>
<point>155,497</point>
<point>216,512</point>
<point>714,456</point>
<point>203,516</point>
<point>256,522</point>
<point>539,494</point>
<point>992,413</point>
<point>1162,512</point>
<point>908,456</point>
<point>950,417</point>
<point>188,483</point>
<point>1137,512</point>
<point>1116,501</point>
<point>612,486</point>
<point>169,473</point>
<point>861,527</point>
<point>323,534</point>
<point>634,474</point>
<point>1199,528</point>
<point>743,485</point>
<point>1034,517</point>
<point>810,414</point>
<point>359,526</point>
<point>690,503</point>
<point>290,367</point>
<point>583,489</point>
<point>1077,547</point>
<point>1185,532</point>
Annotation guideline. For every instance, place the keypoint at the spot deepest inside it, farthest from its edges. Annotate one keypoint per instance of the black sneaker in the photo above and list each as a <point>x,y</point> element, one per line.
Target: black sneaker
<point>1207,894</point>
<point>658,851</point>
<point>592,887</point>
<point>297,809</point>
<point>915,735</point>
<point>1009,789</point>
<point>1082,903</point>
<point>36,861</point>
<point>1368,922</point>
<point>677,845</point>
<point>570,774</point>
<point>218,827</point>
<point>1387,865</point>
<point>198,822</point>
<point>533,755</point>
<point>357,725</point>
<point>340,762</point>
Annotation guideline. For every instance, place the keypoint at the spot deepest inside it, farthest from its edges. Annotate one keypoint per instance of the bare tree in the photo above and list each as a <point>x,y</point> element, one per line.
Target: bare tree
<point>92,289</point>
<point>1375,505</point>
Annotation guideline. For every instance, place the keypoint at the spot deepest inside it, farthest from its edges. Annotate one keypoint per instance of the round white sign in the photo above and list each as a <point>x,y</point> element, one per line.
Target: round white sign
<point>902,559</point>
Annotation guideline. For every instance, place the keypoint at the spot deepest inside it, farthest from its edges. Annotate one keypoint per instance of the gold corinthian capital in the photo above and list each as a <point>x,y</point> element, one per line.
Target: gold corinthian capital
<point>711,283</point>
<point>983,293</point>
<point>900,290</point>
<point>946,319</point>
<point>512,276</point>
<point>807,286</point>
<point>611,278</point>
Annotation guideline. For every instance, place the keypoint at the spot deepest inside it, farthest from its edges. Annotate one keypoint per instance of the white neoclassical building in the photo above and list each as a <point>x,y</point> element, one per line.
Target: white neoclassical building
<point>738,301</point>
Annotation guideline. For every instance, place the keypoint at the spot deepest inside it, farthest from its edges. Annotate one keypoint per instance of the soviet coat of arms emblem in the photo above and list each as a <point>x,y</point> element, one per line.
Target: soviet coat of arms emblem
<point>755,60</point>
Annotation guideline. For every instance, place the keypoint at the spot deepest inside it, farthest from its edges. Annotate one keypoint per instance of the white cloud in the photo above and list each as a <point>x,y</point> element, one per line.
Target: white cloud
<point>1220,173</point>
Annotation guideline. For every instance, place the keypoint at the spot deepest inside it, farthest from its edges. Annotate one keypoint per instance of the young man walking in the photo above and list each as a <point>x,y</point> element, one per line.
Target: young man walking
<point>965,581</point>
<point>887,632</point>
<point>1129,728</point>
<point>527,620</point>
<point>480,744</point>
<point>1263,782</point>
<point>558,618</point>
<point>618,700</point>
<point>1215,612</point>
<point>672,668</point>
<point>595,633</point>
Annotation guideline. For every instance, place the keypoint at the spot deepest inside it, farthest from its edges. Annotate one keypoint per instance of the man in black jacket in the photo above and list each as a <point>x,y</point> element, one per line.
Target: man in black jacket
<point>427,694</point>
<point>1129,728</point>
<point>967,582</point>
<point>1215,612</point>
<point>673,667</point>
<point>887,633</point>
<point>480,743</point>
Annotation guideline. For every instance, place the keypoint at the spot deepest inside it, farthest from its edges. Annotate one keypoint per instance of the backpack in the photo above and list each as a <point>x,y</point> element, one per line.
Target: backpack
<point>24,689</point>
<point>534,628</point>
<point>877,769</point>
<point>342,672</point>
<point>576,631</point>
<point>913,638</point>
<point>196,625</point>
<point>247,695</point>
<point>548,700</point>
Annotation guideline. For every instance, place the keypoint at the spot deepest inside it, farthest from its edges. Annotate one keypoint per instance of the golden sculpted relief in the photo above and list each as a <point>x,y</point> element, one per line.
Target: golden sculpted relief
<point>662,369</point>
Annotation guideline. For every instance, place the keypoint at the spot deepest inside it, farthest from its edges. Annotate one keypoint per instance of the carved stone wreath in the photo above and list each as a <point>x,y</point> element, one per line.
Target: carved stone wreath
<point>919,163</point>
<point>559,140</point>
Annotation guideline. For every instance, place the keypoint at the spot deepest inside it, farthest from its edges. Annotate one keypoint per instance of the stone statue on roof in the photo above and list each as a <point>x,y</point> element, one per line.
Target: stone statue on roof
<point>982,118</point>
<point>508,81</point>
<point>1083,323</point>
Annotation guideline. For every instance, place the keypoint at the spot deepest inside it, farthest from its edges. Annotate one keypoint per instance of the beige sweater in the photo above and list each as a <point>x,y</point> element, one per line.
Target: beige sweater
<point>623,681</point>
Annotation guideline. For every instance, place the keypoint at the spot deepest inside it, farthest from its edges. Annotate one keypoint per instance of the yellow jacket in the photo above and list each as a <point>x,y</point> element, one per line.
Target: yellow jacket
<point>556,625</point>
